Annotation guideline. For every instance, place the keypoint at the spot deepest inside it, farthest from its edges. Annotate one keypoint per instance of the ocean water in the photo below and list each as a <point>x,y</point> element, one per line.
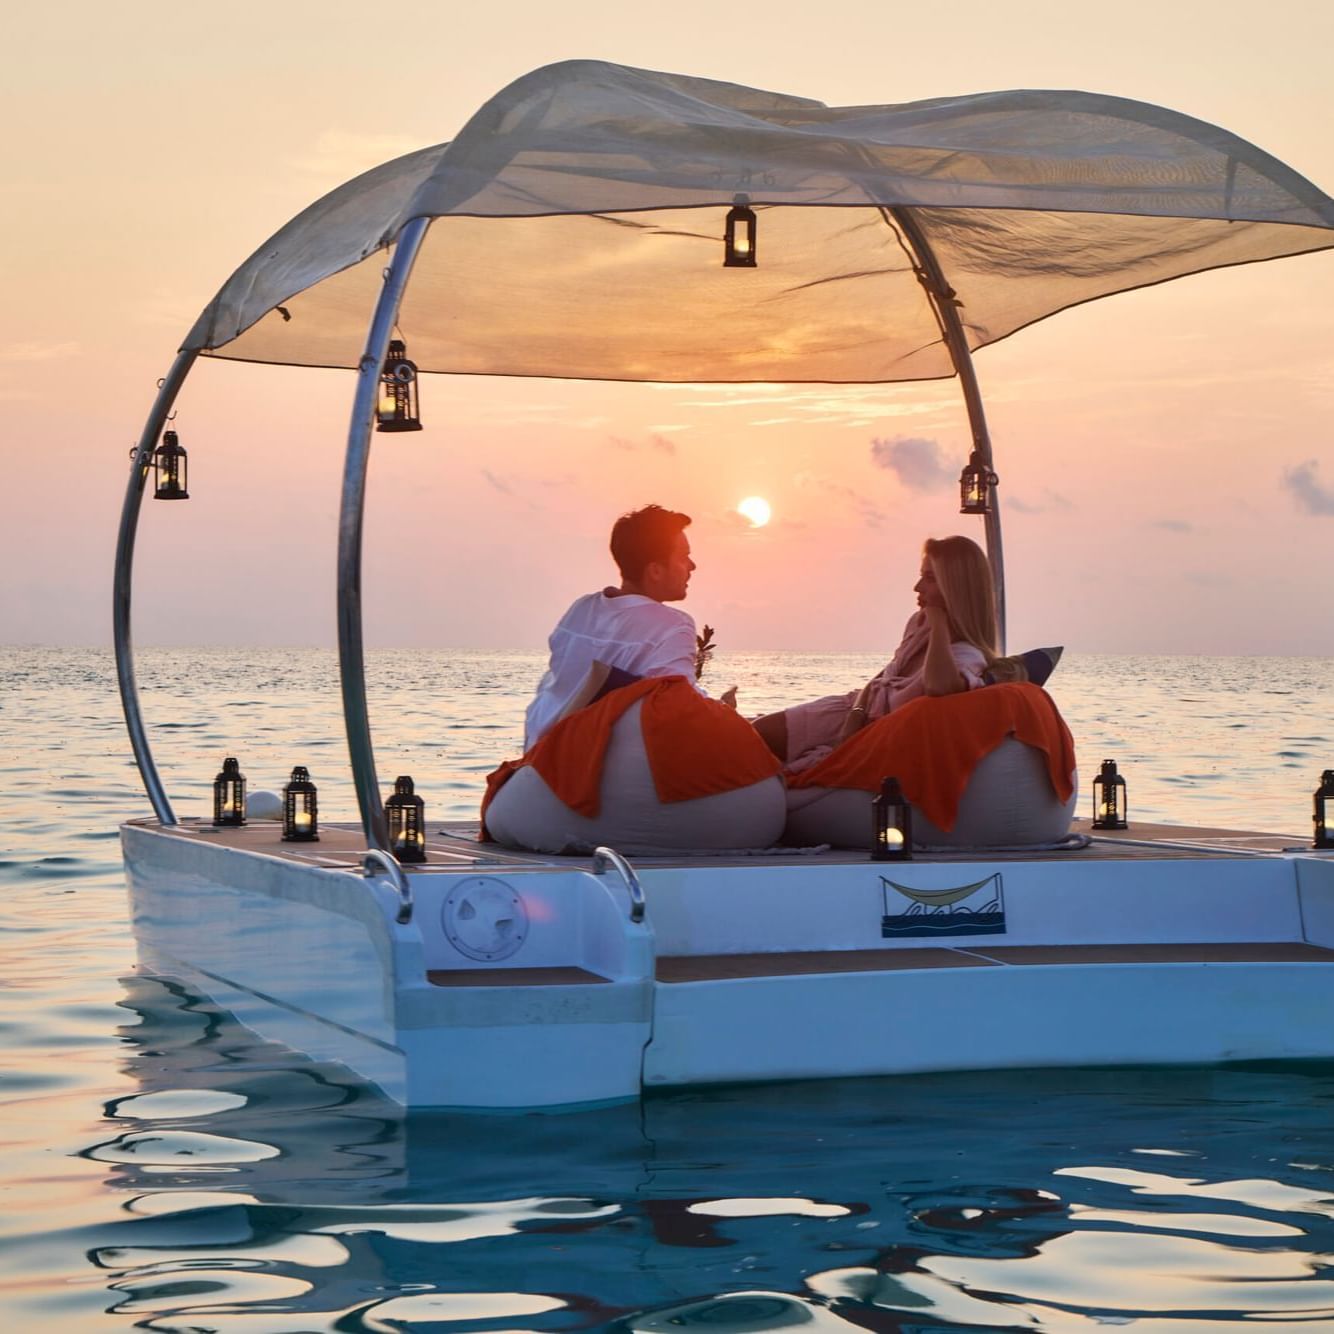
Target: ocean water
<point>165,1170</point>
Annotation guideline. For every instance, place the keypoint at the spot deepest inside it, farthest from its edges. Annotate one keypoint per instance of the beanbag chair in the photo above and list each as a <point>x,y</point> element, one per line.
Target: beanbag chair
<point>986,768</point>
<point>652,767</point>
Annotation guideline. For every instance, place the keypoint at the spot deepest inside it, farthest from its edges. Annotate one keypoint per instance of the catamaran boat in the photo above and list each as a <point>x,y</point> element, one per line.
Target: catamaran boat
<point>600,222</point>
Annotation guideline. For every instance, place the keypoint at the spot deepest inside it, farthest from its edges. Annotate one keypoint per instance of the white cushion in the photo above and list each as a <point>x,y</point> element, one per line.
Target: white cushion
<point>1008,802</point>
<point>525,813</point>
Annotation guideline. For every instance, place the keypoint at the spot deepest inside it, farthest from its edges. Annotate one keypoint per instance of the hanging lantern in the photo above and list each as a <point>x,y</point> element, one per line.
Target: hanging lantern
<point>397,408</point>
<point>229,794</point>
<point>1324,834</point>
<point>301,817</point>
<point>1109,798</point>
<point>975,483</point>
<point>406,814</point>
<point>891,824</point>
<point>739,235</point>
<point>169,471</point>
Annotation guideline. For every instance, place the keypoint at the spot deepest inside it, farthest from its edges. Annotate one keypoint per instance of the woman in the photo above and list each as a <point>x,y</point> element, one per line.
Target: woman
<point>947,645</point>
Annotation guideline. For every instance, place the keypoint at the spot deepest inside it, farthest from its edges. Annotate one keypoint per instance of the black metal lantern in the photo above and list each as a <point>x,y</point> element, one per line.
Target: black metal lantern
<point>301,816</point>
<point>169,470</point>
<point>891,824</point>
<point>406,814</point>
<point>975,483</point>
<point>397,407</point>
<point>229,794</point>
<point>739,235</point>
<point>1324,835</point>
<point>1109,798</point>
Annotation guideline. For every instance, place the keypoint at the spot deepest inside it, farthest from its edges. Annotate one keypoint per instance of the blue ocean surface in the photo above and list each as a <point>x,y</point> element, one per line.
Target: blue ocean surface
<point>166,1170</point>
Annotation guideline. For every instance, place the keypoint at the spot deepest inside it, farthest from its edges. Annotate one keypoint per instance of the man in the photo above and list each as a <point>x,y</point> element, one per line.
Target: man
<point>630,627</point>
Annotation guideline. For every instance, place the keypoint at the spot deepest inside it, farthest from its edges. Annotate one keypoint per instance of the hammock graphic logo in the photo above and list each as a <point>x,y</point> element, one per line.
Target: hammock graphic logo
<point>966,910</point>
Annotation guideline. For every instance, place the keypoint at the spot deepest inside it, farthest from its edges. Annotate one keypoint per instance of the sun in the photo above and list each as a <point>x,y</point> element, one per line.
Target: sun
<point>756,509</point>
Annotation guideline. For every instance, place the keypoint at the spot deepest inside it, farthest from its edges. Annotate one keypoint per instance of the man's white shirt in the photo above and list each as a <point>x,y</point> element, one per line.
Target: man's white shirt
<point>628,631</point>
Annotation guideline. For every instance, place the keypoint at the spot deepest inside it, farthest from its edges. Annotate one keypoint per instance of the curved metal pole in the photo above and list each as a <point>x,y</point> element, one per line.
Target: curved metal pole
<point>121,584</point>
<point>943,298</point>
<point>351,656</point>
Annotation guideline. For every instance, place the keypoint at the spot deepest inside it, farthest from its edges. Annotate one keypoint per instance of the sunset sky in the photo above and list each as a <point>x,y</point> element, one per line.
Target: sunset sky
<point>1166,479</point>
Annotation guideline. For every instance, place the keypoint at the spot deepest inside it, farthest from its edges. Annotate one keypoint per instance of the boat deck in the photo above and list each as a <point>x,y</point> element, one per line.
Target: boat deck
<point>453,846</point>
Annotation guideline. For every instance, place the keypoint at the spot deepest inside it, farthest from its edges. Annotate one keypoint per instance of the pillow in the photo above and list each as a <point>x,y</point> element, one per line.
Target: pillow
<point>601,679</point>
<point>1038,663</point>
<point>616,678</point>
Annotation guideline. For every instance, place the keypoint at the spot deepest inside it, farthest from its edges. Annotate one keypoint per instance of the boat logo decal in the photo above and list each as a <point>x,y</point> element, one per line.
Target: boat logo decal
<point>483,918</point>
<point>964,910</point>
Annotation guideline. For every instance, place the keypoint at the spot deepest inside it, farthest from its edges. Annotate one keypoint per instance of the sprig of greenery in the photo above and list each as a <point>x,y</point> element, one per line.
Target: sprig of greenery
<point>704,647</point>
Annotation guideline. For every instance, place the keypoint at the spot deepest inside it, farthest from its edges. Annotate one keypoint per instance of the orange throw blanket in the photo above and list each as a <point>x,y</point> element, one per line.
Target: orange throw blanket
<point>696,747</point>
<point>932,745</point>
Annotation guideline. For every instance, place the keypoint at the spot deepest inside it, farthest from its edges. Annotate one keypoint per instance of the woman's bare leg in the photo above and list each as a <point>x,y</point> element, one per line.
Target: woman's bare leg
<point>773,731</point>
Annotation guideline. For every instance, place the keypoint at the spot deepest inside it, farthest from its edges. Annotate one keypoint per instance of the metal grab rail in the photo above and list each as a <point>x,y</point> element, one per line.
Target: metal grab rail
<point>609,858</point>
<point>377,859</point>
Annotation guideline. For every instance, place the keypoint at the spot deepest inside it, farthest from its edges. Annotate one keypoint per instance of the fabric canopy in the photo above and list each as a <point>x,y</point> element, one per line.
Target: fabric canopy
<point>578,221</point>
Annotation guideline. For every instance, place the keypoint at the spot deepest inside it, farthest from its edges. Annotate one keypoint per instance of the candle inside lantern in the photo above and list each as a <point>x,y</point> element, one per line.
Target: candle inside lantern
<point>405,817</point>
<point>891,823</point>
<point>739,235</point>
<point>1109,798</point>
<point>1324,827</point>
<point>229,794</point>
<point>301,820</point>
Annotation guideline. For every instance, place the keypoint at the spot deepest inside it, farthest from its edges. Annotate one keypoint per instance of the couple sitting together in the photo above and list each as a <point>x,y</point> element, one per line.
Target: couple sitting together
<point>948,644</point>
<point>623,746</point>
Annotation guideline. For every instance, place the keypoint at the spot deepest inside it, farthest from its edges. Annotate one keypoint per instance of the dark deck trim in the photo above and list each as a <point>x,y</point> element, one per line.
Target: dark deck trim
<point>513,977</point>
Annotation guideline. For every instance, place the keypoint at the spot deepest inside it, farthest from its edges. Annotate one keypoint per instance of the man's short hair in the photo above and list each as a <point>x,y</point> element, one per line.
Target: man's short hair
<point>643,536</point>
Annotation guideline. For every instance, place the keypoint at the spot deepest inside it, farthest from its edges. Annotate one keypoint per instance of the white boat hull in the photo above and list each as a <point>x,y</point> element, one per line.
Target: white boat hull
<point>758,971</point>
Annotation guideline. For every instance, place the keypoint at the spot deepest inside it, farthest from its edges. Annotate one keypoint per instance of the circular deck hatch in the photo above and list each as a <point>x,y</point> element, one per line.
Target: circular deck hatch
<point>484,918</point>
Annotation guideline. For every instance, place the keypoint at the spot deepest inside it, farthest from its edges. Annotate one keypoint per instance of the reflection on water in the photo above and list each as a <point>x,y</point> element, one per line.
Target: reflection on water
<point>1038,1200</point>
<point>171,1172</point>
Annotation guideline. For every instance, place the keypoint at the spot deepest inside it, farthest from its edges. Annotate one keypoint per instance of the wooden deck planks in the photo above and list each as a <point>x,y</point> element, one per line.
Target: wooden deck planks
<point>679,968</point>
<point>1221,952</point>
<point>714,967</point>
<point>718,967</point>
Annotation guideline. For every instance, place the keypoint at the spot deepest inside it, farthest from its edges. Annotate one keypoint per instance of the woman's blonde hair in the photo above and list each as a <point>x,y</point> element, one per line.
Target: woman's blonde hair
<point>963,576</point>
